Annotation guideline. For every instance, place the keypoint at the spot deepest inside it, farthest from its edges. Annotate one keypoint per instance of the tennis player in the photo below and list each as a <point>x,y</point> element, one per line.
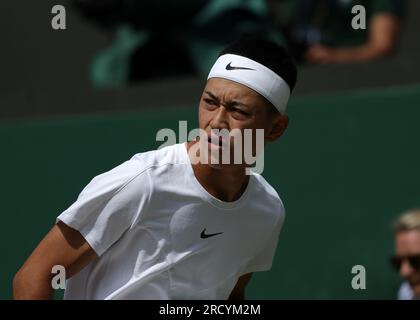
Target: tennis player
<point>165,226</point>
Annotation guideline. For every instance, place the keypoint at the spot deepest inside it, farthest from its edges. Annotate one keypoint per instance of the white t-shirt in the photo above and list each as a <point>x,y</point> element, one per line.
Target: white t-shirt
<point>405,292</point>
<point>160,235</point>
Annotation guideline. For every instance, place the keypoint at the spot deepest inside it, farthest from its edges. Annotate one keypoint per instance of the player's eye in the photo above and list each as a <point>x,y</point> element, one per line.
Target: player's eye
<point>210,102</point>
<point>241,112</point>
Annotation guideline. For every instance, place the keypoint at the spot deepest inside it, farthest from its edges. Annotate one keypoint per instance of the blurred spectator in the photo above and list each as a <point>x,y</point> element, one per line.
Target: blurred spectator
<point>167,38</point>
<point>407,254</point>
<point>320,31</point>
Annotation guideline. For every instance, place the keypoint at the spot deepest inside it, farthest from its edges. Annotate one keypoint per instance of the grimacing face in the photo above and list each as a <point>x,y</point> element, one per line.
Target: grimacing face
<point>226,104</point>
<point>407,243</point>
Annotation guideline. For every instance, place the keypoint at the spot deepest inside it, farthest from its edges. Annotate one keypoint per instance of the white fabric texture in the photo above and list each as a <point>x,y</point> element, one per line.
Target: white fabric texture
<point>253,75</point>
<point>144,219</point>
<point>405,292</point>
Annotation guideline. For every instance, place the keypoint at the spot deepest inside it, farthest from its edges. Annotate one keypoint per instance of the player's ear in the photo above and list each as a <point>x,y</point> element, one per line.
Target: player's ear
<point>278,126</point>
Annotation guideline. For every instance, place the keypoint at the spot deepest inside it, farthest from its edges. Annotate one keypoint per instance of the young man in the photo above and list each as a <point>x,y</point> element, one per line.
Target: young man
<point>166,226</point>
<point>407,258</point>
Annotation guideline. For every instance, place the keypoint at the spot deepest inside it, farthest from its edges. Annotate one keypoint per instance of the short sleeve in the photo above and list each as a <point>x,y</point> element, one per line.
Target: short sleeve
<point>109,205</point>
<point>264,259</point>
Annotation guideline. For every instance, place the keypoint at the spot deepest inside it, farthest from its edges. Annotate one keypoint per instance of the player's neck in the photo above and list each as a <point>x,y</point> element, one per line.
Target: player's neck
<point>227,183</point>
<point>223,184</point>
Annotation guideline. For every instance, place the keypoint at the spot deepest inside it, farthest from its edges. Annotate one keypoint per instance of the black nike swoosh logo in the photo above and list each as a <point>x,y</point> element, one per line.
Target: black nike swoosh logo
<point>230,67</point>
<point>203,234</point>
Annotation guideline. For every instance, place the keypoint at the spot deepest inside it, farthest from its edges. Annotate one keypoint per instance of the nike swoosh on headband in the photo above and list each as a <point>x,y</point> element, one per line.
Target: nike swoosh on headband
<point>230,67</point>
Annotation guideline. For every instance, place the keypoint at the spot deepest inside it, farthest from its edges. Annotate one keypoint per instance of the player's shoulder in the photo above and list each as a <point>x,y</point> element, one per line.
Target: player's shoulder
<point>168,155</point>
<point>264,186</point>
<point>265,190</point>
<point>139,165</point>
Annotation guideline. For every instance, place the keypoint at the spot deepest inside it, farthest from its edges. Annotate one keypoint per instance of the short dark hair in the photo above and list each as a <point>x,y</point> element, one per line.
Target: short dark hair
<point>269,54</point>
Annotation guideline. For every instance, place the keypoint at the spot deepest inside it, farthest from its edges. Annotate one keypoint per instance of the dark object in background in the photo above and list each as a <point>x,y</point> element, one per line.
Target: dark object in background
<point>160,57</point>
<point>105,13</point>
<point>161,53</point>
<point>167,38</point>
<point>156,14</point>
<point>296,26</point>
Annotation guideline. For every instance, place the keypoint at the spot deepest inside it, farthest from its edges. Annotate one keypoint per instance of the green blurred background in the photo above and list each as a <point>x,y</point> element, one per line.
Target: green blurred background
<point>347,165</point>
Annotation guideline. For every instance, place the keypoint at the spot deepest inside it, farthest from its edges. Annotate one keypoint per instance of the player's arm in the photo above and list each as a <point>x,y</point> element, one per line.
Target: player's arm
<point>238,292</point>
<point>61,246</point>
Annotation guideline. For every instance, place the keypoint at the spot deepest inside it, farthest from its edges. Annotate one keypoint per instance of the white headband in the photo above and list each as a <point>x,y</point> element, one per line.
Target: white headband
<point>253,75</point>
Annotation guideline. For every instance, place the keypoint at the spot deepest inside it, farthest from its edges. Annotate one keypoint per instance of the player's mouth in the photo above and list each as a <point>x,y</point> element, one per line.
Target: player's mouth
<point>216,142</point>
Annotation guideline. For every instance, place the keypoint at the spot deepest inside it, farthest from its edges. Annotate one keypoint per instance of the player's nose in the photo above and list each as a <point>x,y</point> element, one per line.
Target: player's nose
<point>220,119</point>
